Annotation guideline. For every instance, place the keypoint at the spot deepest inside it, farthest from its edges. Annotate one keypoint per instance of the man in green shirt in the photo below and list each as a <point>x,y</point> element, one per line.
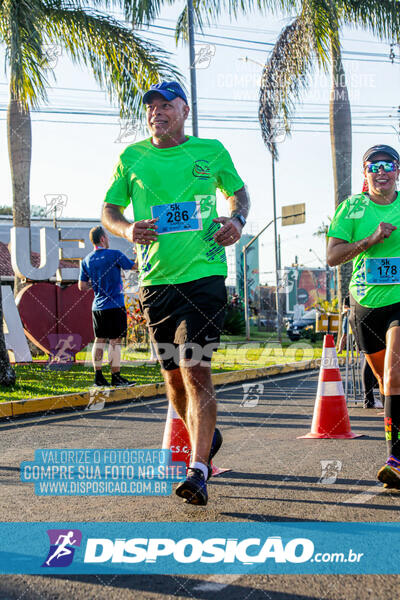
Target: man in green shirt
<point>171,180</point>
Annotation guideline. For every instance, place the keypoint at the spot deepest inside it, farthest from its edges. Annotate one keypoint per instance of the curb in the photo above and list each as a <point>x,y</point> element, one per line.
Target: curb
<point>97,398</point>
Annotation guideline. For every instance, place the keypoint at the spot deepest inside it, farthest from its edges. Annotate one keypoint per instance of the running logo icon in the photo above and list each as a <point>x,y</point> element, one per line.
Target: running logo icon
<point>201,169</point>
<point>62,547</point>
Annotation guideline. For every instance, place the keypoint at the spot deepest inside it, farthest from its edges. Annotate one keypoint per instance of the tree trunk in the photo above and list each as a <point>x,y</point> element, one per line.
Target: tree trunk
<point>19,151</point>
<point>341,142</point>
<point>7,374</point>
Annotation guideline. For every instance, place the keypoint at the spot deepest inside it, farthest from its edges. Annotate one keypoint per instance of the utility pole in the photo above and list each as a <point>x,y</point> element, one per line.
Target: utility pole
<point>278,315</point>
<point>245,283</point>
<point>192,59</point>
<point>328,271</point>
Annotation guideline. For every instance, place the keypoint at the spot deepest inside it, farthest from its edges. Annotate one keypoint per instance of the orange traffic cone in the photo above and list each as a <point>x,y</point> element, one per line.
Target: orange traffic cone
<point>176,438</point>
<point>331,419</point>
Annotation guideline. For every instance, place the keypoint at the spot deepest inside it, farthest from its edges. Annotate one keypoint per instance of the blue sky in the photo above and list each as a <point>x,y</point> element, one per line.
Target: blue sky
<point>74,154</point>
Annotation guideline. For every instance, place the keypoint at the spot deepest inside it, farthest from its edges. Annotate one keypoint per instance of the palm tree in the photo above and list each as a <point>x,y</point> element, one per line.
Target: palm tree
<point>7,373</point>
<point>120,61</point>
<point>312,37</point>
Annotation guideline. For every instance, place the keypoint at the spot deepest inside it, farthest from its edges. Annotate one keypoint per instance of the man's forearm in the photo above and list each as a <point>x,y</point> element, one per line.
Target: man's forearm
<point>114,221</point>
<point>240,202</point>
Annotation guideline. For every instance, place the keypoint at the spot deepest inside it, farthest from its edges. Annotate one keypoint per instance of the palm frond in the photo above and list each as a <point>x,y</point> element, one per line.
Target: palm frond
<point>21,32</point>
<point>380,17</point>
<point>207,12</point>
<point>136,12</point>
<point>324,19</point>
<point>285,77</point>
<point>121,62</point>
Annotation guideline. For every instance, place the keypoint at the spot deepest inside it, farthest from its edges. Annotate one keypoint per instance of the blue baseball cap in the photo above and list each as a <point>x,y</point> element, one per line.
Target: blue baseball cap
<point>168,89</point>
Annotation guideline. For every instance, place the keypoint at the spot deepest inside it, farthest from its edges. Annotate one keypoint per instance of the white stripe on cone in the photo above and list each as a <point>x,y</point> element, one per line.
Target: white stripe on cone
<point>330,388</point>
<point>329,359</point>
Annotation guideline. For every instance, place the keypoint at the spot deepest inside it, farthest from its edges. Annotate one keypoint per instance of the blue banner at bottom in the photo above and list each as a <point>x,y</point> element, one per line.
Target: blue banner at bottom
<point>215,548</point>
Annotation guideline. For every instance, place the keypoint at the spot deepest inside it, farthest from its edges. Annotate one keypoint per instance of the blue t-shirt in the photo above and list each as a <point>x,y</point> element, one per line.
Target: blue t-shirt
<point>103,268</point>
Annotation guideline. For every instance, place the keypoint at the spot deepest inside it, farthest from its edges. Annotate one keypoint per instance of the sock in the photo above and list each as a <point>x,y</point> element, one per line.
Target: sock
<point>392,425</point>
<point>203,468</point>
<point>393,462</point>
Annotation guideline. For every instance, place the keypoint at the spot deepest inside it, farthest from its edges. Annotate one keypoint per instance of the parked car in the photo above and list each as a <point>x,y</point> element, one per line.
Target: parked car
<point>303,327</point>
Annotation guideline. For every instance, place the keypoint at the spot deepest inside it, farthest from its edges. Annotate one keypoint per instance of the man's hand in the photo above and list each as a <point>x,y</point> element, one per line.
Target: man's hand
<point>84,286</point>
<point>142,232</point>
<point>230,231</point>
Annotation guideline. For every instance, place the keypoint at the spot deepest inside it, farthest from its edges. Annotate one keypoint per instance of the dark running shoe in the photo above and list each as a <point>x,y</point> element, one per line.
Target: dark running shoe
<point>100,380</point>
<point>118,381</point>
<point>194,489</point>
<point>392,486</point>
<point>389,476</point>
<point>215,446</point>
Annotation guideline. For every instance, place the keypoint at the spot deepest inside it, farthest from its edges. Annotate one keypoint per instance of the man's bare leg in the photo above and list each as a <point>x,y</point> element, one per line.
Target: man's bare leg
<point>191,392</point>
<point>97,353</point>
<point>114,355</point>
<point>201,409</point>
<point>176,392</point>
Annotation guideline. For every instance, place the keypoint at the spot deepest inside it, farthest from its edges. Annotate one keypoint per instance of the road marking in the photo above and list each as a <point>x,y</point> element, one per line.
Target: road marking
<point>364,496</point>
<point>216,583</point>
<point>221,387</point>
<point>160,400</point>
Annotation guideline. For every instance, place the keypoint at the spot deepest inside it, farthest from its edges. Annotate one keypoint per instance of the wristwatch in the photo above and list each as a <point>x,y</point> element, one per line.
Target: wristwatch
<point>240,218</point>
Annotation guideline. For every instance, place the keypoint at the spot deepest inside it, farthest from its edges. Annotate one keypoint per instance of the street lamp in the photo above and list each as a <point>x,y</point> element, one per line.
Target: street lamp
<point>327,275</point>
<point>192,57</point>
<point>292,214</point>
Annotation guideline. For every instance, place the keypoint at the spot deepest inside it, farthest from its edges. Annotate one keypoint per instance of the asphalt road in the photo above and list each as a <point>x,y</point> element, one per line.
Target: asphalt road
<point>274,477</point>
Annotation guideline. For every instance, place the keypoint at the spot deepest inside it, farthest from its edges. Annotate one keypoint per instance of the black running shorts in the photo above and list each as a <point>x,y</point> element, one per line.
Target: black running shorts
<point>185,320</point>
<point>370,325</point>
<point>110,323</point>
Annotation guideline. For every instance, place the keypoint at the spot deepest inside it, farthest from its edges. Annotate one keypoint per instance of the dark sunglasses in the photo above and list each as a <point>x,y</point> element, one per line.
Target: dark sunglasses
<point>388,166</point>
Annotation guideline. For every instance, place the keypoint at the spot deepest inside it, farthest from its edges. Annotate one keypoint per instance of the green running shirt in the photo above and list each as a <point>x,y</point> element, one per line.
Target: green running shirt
<point>355,219</point>
<point>183,180</point>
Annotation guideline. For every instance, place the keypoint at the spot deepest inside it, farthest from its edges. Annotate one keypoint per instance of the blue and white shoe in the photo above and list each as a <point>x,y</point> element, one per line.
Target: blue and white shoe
<point>194,489</point>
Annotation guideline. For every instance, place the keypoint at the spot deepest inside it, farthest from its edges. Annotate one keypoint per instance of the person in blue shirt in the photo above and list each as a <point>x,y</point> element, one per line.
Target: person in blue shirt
<point>101,271</point>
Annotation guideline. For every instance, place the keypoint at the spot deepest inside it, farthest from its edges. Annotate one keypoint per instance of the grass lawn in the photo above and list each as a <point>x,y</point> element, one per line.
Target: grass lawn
<point>35,380</point>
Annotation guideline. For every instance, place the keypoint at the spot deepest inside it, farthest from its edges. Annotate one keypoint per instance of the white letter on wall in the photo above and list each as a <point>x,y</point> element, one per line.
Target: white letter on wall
<point>21,253</point>
<point>14,336</point>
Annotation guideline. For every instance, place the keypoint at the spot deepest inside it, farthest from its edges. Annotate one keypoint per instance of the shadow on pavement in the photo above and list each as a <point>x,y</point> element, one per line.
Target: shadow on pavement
<point>182,587</point>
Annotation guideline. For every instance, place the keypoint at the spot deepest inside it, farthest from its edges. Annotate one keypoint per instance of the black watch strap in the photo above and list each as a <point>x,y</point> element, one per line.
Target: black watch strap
<point>240,218</point>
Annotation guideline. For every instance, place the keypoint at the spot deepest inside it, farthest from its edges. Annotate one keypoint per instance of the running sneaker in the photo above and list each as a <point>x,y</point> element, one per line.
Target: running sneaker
<point>215,446</point>
<point>389,474</point>
<point>100,380</point>
<point>392,486</point>
<point>118,381</point>
<point>194,489</point>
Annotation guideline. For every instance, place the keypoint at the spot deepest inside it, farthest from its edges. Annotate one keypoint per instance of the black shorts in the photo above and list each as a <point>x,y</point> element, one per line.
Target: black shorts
<point>370,325</point>
<point>185,320</point>
<point>110,323</point>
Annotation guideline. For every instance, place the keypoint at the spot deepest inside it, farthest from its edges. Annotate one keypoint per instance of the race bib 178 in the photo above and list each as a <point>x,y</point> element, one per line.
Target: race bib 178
<point>382,271</point>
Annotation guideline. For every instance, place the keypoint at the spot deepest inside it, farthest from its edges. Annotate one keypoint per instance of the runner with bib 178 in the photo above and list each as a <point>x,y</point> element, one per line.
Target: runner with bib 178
<point>366,228</point>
